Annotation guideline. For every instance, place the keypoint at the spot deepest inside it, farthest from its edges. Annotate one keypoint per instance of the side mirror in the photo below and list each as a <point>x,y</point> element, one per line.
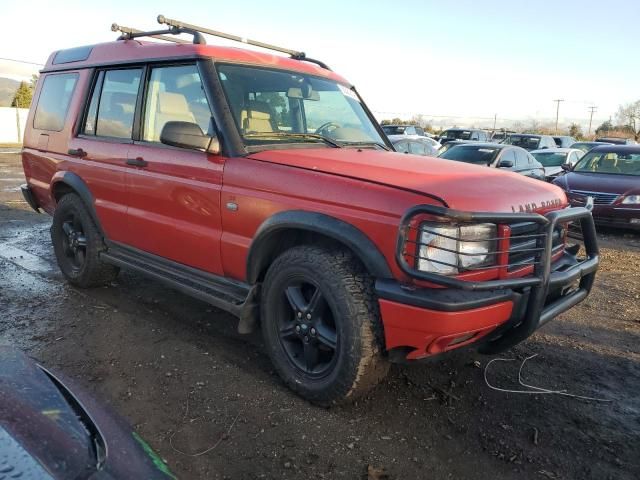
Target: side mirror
<point>566,167</point>
<point>505,164</point>
<point>188,135</point>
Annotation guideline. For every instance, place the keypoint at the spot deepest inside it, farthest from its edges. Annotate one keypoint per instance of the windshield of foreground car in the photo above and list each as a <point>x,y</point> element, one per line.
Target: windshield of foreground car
<point>526,142</point>
<point>277,107</point>
<point>477,155</point>
<point>550,159</point>
<point>609,162</point>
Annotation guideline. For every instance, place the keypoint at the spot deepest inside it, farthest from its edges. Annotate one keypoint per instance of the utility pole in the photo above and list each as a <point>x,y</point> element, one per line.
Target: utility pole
<point>558,111</point>
<point>592,109</point>
<point>495,118</point>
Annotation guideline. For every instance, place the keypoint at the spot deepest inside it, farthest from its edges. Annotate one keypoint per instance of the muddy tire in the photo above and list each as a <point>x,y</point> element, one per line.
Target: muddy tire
<point>321,325</point>
<point>77,244</point>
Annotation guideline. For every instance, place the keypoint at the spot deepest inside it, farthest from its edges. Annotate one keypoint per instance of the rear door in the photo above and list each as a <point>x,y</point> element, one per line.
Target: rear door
<point>174,193</point>
<point>102,144</point>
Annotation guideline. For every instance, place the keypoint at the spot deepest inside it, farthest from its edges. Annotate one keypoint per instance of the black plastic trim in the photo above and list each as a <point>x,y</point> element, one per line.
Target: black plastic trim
<point>440,299</point>
<point>29,197</point>
<point>76,183</point>
<point>264,241</point>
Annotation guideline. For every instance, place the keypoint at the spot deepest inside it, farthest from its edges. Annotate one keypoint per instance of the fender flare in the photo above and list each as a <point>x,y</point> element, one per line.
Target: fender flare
<point>75,183</point>
<point>336,229</point>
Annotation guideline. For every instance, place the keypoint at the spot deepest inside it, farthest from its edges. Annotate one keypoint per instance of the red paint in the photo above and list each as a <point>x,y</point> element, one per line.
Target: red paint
<point>431,331</point>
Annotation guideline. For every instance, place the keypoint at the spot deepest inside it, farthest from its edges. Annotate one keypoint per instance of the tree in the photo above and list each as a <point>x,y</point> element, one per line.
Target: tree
<point>575,131</point>
<point>604,127</point>
<point>22,98</point>
<point>629,116</point>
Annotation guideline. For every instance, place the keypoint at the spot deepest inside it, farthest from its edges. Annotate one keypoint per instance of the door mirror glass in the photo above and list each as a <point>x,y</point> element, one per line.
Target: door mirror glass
<point>566,167</point>
<point>188,135</point>
<point>505,164</point>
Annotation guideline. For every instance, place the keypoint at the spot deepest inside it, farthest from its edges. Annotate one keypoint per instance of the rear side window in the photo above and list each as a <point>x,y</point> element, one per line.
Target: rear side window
<point>113,104</point>
<point>53,104</point>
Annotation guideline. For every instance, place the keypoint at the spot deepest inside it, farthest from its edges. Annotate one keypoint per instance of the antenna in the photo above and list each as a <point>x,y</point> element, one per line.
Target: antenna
<point>187,27</point>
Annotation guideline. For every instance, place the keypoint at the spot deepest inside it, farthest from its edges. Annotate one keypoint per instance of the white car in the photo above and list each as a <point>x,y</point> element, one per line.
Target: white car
<point>552,159</point>
<point>415,144</point>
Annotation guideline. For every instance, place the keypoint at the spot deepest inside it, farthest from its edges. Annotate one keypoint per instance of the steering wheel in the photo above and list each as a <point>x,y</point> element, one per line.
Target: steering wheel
<point>324,128</point>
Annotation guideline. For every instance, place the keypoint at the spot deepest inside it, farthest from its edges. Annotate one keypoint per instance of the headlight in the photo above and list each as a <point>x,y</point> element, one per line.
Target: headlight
<point>633,199</point>
<point>449,249</point>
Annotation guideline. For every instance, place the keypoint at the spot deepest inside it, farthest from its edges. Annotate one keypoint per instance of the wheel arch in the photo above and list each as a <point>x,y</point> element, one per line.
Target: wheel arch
<point>293,227</point>
<point>69,182</point>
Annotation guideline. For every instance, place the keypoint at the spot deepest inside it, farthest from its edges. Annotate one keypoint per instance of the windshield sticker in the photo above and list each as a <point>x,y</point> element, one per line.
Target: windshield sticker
<point>347,92</point>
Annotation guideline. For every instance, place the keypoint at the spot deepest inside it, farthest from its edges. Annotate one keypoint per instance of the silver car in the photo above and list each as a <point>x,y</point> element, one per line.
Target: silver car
<point>552,159</point>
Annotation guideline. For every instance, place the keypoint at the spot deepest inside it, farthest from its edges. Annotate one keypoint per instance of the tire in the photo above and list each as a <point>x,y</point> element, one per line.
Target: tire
<point>77,244</point>
<point>343,325</point>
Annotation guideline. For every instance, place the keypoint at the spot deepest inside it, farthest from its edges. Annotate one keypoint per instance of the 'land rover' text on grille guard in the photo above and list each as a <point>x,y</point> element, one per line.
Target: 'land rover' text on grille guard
<point>523,252</point>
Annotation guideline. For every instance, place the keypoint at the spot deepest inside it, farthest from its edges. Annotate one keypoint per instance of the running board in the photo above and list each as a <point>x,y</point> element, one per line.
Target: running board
<point>229,295</point>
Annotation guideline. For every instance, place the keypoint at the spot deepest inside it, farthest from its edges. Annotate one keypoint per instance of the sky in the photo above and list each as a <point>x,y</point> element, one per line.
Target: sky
<point>457,63</point>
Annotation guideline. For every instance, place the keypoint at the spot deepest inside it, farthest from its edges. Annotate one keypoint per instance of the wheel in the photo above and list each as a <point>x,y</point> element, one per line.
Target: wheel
<point>321,324</point>
<point>77,244</point>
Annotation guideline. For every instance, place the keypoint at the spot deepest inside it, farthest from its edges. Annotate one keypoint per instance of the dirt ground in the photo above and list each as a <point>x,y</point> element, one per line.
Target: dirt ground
<point>209,402</point>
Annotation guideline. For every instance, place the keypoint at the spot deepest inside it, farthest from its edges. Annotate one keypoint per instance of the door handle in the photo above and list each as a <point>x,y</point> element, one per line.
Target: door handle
<point>77,152</point>
<point>137,162</point>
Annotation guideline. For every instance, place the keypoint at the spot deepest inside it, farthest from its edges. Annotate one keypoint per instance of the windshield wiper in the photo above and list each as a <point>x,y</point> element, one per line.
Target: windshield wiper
<point>314,136</point>
<point>371,142</point>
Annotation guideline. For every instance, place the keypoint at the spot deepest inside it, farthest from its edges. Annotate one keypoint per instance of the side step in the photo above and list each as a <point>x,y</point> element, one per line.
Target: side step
<point>229,295</point>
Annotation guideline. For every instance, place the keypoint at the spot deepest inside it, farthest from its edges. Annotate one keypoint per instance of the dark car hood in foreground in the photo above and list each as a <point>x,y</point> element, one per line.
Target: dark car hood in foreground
<point>49,432</point>
<point>600,182</point>
<point>462,186</point>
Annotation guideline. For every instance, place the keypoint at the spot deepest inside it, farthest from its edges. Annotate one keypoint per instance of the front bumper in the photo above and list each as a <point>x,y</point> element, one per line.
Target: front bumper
<point>420,322</point>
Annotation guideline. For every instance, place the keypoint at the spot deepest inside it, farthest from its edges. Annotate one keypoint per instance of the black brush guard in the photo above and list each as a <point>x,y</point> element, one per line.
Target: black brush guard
<point>533,304</point>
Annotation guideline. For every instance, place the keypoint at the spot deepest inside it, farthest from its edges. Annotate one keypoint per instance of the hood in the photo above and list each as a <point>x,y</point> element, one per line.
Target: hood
<point>458,185</point>
<point>552,171</point>
<point>600,182</point>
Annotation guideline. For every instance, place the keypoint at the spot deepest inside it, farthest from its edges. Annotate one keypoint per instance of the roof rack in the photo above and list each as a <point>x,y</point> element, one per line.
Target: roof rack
<point>189,28</point>
<point>129,33</point>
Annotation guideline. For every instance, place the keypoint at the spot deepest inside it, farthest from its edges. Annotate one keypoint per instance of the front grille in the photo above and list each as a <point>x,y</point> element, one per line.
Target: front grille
<point>524,249</point>
<point>599,198</point>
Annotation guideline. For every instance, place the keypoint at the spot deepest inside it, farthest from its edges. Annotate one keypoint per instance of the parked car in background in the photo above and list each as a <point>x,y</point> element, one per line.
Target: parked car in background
<point>49,430</point>
<point>471,134</point>
<point>552,159</point>
<point>586,146</point>
<point>564,141</point>
<point>611,175</point>
<point>452,144</point>
<point>499,136</point>
<point>404,130</point>
<point>413,144</point>
<point>616,140</point>
<point>530,141</point>
<point>497,155</point>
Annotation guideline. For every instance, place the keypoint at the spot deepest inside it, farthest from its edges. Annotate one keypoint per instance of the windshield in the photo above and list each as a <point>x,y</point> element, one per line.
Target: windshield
<point>526,142</point>
<point>550,159</point>
<point>393,129</point>
<point>609,162</point>
<point>471,154</point>
<point>457,134</point>
<point>585,147</point>
<point>279,107</point>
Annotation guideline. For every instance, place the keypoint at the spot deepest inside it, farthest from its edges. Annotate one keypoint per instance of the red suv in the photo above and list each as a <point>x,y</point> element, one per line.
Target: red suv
<point>263,185</point>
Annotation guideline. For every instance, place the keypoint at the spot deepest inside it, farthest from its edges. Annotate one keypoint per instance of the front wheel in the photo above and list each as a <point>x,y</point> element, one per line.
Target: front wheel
<point>321,324</point>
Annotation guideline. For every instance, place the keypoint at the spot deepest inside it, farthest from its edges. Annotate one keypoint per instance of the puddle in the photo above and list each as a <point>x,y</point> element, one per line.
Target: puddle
<point>25,260</point>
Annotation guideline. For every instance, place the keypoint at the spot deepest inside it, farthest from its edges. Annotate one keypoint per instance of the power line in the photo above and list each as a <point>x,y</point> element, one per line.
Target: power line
<point>22,61</point>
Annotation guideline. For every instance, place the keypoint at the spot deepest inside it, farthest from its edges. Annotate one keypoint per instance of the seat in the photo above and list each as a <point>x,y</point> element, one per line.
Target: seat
<point>257,117</point>
<point>171,107</point>
<point>609,163</point>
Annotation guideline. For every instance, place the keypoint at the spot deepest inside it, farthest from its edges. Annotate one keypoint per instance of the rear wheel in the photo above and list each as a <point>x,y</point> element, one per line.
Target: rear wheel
<point>77,244</point>
<point>321,324</point>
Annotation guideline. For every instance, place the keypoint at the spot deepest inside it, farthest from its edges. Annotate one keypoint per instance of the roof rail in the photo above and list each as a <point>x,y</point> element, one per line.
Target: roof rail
<point>131,33</point>
<point>189,28</point>
<point>127,33</point>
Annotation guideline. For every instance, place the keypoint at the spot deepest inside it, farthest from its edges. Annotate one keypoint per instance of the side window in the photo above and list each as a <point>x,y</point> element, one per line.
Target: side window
<point>113,104</point>
<point>410,131</point>
<point>417,148</point>
<point>509,156</point>
<point>401,147</point>
<point>420,131</point>
<point>522,159</point>
<point>54,101</point>
<point>174,94</point>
